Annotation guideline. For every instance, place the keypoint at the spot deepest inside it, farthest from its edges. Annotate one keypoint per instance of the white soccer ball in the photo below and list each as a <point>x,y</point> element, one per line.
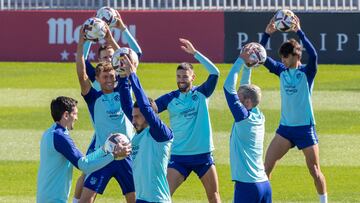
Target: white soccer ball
<point>119,55</point>
<point>113,140</point>
<point>108,15</point>
<point>94,29</point>
<point>257,54</point>
<point>284,20</point>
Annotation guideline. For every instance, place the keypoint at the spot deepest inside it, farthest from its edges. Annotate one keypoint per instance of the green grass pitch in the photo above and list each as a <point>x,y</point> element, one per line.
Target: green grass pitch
<point>26,90</point>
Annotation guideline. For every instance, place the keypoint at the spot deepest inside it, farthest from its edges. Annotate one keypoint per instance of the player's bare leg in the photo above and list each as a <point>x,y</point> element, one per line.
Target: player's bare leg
<point>278,147</point>
<point>79,187</point>
<point>211,185</point>
<point>130,197</point>
<point>312,161</point>
<point>87,196</point>
<point>174,178</point>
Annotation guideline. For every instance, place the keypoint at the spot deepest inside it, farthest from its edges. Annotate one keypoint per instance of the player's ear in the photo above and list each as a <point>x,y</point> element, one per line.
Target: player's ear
<point>66,115</point>
<point>193,77</point>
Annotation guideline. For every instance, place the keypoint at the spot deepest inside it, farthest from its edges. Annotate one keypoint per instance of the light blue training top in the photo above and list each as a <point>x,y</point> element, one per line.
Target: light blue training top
<point>150,147</point>
<point>248,130</point>
<point>58,155</point>
<point>295,86</point>
<point>189,114</point>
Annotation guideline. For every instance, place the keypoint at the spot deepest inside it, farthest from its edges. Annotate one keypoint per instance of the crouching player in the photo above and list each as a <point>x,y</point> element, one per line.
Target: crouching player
<point>58,154</point>
<point>151,143</point>
<point>247,136</point>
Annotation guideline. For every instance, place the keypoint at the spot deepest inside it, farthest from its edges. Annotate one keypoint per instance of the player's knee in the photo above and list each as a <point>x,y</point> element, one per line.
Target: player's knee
<point>315,172</point>
<point>214,197</point>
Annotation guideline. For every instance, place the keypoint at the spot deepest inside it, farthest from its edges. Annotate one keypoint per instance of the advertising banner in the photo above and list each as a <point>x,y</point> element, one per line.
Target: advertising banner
<point>53,35</point>
<point>334,35</point>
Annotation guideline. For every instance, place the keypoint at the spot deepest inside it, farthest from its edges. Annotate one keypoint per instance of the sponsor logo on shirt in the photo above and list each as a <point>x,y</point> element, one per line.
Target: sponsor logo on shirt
<point>189,113</point>
<point>290,89</point>
<point>114,114</point>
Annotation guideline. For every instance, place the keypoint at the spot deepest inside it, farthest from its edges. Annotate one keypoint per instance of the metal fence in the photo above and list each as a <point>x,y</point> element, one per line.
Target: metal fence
<point>227,5</point>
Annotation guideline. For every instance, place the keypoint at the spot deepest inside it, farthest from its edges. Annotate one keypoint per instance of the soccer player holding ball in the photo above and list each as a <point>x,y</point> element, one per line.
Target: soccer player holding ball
<point>105,53</point>
<point>297,122</point>
<point>58,154</point>
<point>108,117</point>
<point>152,142</point>
<point>190,122</point>
<point>247,135</point>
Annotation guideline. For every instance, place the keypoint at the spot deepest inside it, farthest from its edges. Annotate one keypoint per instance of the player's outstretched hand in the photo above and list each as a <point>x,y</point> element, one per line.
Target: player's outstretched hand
<point>270,28</point>
<point>129,66</point>
<point>297,24</point>
<point>187,47</point>
<point>122,150</point>
<point>245,55</point>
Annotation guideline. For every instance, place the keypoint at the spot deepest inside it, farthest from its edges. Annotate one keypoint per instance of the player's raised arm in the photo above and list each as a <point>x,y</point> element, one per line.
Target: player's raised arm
<point>126,33</point>
<point>311,66</point>
<point>272,65</point>
<point>237,109</point>
<point>208,87</point>
<point>110,39</point>
<point>269,30</point>
<point>159,131</point>
<point>84,81</point>
<point>125,96</point>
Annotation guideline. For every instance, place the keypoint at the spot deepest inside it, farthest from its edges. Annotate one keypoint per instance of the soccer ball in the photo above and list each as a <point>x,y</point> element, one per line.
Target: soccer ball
<point>257,54</point>
<point>108,15</point>
<point>94,29</point>
<point>284,20</point>
<point>113,140</point>
<point>119,55</point>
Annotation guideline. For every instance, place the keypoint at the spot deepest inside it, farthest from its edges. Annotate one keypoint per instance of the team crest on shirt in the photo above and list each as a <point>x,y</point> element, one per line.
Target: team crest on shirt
<point>298,76</point>
<point>93,180</point>
<point>117,97</point>
<point>194,97</point>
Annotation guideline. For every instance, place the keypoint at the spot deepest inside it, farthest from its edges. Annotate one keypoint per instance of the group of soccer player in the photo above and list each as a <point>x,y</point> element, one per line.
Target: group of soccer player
<point>161,157</point>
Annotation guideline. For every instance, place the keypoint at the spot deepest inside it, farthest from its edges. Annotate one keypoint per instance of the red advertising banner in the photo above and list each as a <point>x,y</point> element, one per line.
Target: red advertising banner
<point>53,35</point>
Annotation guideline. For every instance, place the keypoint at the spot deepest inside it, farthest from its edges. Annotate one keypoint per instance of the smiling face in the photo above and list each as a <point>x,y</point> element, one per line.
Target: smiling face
<point>105,75</point>
<point>107,81</point>
<point>184,79</point>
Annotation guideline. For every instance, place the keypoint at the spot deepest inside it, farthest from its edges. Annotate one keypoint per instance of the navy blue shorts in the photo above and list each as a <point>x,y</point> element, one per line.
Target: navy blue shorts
<point>120,170</point>
<point>185,164</point>
<point>300,136</point>
<point>252,192</point>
